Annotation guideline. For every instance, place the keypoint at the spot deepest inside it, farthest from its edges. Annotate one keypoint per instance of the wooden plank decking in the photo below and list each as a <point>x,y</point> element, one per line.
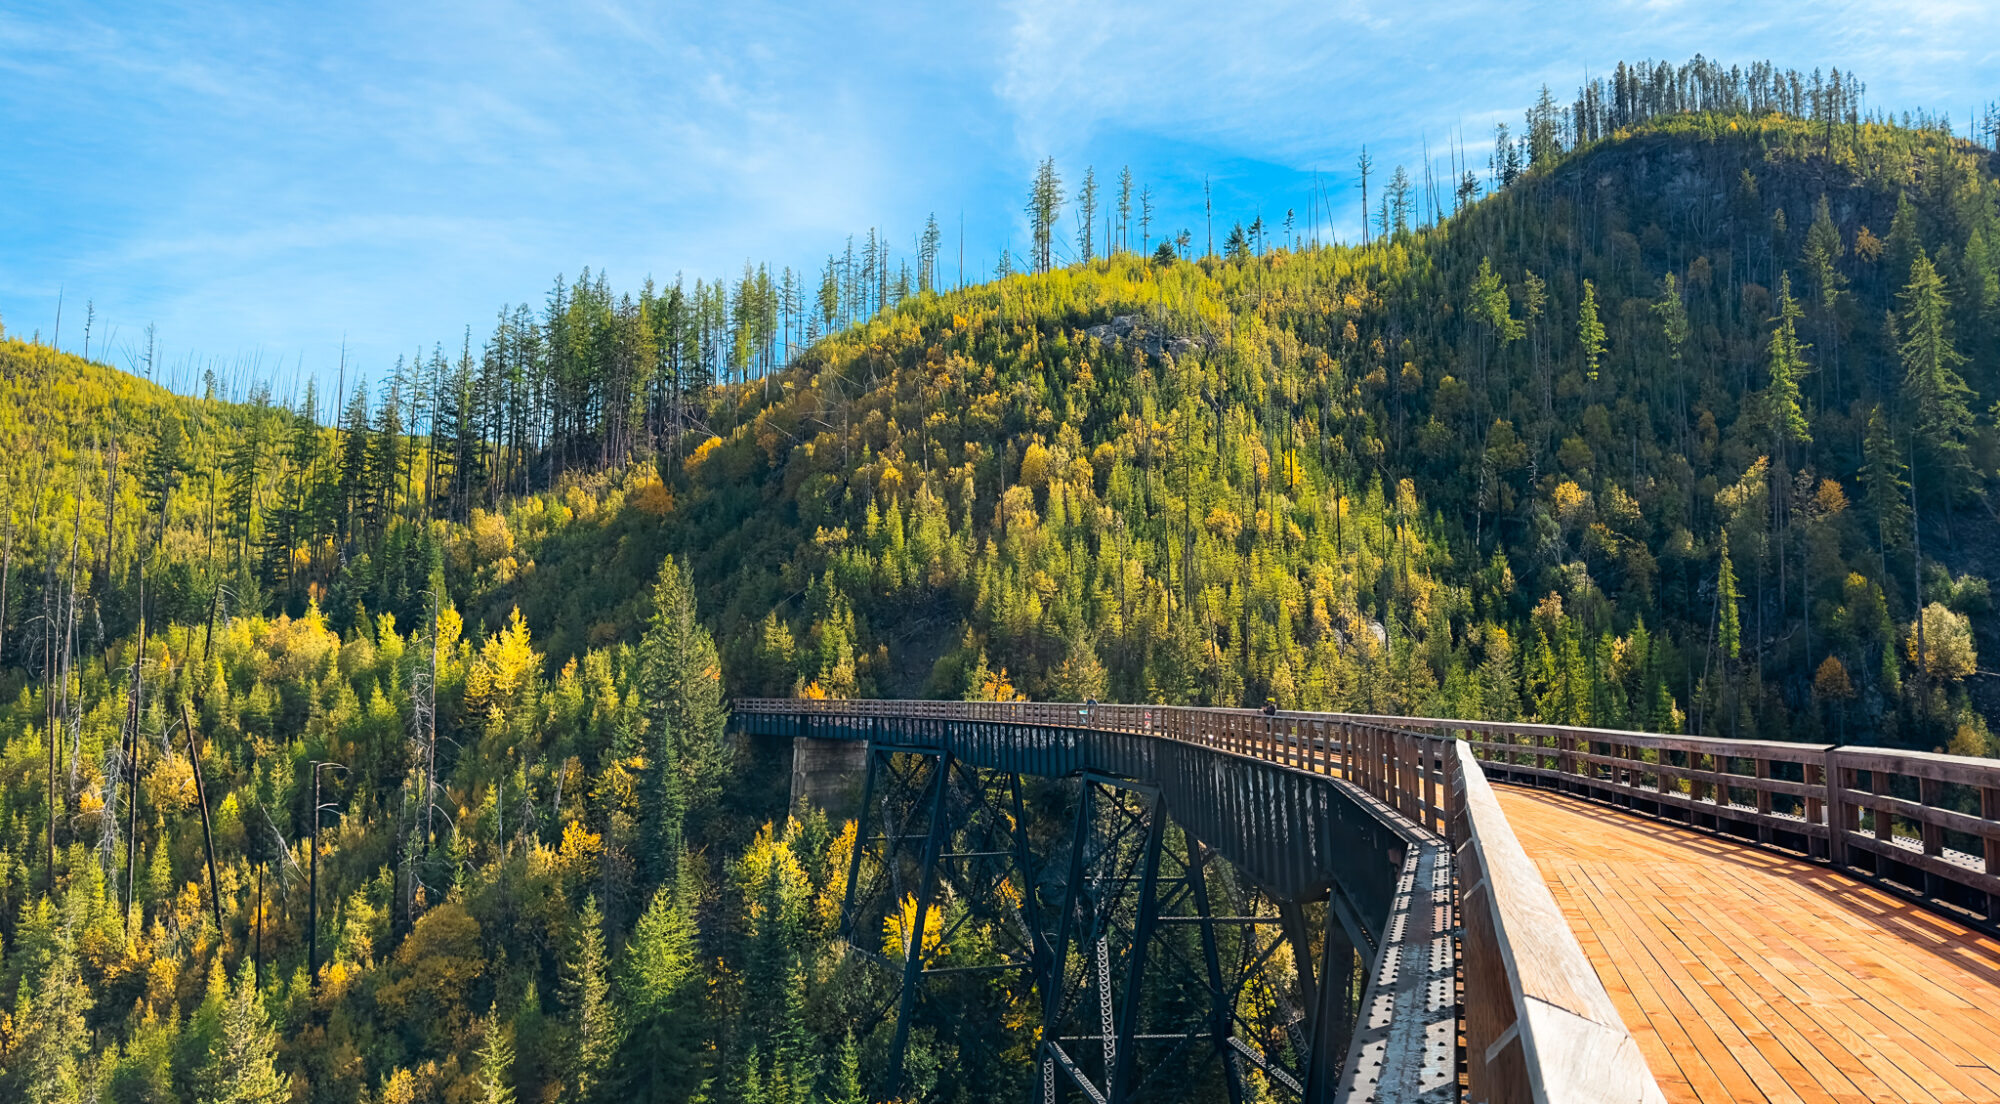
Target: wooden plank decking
<point>1748,975</point>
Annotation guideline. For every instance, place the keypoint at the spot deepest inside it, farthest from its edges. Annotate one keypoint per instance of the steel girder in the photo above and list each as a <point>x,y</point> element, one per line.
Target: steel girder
<point>1265,956</point>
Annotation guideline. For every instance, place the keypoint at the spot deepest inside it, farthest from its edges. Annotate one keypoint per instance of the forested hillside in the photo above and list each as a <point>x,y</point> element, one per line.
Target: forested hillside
<point>374,749</point>
<point>1639,441</point>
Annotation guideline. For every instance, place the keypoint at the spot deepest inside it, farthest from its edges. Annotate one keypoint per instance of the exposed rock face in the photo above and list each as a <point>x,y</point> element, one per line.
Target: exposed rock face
<point>1134,332</point>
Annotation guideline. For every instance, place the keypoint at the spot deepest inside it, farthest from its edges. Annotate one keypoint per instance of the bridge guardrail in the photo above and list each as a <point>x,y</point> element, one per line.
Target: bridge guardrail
<point>1928,824</point>
<point>1555,1036</point>
<point>1925,823</point>
<point>1539,1024</point>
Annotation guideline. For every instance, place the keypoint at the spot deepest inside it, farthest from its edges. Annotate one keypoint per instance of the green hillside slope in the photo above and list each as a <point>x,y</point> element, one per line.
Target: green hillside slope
<point>1400,477</point>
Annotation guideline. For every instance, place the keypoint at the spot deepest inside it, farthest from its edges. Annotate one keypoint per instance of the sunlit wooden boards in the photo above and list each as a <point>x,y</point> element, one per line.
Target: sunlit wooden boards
<point>1747,975</point>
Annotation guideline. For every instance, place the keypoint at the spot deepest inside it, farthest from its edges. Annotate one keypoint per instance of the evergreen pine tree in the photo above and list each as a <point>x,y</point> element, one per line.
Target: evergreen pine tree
<point>1730,627</point>
<point>1498,699</point>
<point>1086,217</point>
<point>659,1056</point>
<point>50,1039</point>
<point>1934,391</point>
<point>249,1055</point>
<point>1044,207</point>
<point>592,1019</point>
<point>680,685</point>
<point>496,1062</point>
<point>1236,247</point>
<point>357,495</point>
<point>845,1086</point>
<point>1882,473</point>
<point>1589,332</point>
<point>1783,407</point>
<point>1653,710</point>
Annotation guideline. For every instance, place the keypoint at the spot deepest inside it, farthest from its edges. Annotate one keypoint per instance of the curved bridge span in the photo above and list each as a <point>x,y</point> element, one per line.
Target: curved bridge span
<point>1635,917</point>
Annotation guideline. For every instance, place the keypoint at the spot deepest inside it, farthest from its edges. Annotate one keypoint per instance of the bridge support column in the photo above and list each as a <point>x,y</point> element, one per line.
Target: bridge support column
<point>1223,1009</point>
<point>827,775</point>
<point>913,955</point>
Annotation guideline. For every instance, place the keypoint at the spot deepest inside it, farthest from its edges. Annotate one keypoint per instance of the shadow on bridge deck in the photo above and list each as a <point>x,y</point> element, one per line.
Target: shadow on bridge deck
<point>1748,975</point>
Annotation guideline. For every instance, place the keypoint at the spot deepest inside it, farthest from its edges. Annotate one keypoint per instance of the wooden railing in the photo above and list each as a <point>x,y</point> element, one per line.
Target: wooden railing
<point>1927,825</point>
<point>1539,1025</point>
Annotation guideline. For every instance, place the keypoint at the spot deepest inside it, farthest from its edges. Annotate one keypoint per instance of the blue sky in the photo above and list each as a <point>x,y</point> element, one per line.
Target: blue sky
<point>265,182</point>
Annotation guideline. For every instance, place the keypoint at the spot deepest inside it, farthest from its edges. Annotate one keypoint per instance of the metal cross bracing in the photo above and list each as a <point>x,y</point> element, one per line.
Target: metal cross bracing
<point>1197,984</point>
<point>1161,971</point>
<point>936,898</point>
<point>1345,873</point>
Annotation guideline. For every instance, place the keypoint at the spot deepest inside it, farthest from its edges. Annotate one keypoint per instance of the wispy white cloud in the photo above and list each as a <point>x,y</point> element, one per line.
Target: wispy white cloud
<point>272,176</point>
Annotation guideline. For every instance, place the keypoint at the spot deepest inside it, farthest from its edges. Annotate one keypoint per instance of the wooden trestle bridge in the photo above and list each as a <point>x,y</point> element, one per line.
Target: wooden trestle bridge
<point>1337,907</point>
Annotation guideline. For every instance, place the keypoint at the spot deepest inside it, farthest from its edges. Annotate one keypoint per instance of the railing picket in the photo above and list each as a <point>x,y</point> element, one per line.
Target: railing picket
<point>1885,821</point>
<point>1763,769</point>
<point>1989,807</point>
<point>1931,833</point>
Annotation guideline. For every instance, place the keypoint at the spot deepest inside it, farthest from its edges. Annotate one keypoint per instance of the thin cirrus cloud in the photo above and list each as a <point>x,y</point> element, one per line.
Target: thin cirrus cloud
<point>272,183</point>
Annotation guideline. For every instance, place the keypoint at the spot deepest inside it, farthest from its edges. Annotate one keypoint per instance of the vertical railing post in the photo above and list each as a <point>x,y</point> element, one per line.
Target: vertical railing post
<point>1763,770</point>
<point>1989,807</point>
<point>1816,807</point>
<point>1840,818</point>
<point>1885,822</point>
<point>1696,784</point>
<point>1407,771</point>
<point>1932,835</point>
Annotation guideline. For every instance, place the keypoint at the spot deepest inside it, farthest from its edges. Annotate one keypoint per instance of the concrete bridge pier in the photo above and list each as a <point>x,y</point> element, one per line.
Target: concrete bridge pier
<point>827,774</point>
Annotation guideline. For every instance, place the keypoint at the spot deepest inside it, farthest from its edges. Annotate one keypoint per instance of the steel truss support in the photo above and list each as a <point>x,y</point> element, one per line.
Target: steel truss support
<point>938,851</point>
<point>1165,970</point>
<point>1162,972</point>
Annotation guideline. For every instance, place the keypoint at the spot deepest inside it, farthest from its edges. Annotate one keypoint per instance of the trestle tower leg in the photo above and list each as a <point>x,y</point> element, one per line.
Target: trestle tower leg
<point>1159,970</point>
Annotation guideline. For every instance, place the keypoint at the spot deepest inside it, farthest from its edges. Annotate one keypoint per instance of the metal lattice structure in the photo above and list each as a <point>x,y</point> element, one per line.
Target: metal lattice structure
<point>1191,924</point>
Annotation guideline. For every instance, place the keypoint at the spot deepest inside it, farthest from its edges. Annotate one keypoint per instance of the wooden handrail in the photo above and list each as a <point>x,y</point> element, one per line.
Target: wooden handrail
<point>1539,1025</point>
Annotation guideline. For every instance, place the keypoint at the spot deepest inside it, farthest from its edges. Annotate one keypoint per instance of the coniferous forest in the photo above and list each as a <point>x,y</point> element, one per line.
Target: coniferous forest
<point>372,745</point>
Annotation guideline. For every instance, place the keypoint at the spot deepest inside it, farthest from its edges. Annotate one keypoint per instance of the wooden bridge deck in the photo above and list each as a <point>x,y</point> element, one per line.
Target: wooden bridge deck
<point>1748,975</point>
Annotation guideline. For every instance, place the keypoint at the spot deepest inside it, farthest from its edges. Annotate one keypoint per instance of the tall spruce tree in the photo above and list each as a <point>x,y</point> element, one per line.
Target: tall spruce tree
<point>1086,217</point>
<point>680,685</point>
<point>1044,208</point>
<point>496,1061</point>
<point>593,1023</point>
<point>1727,596</point>
<point>1784,407</point>
<point>1883,477</point>
<point>49,1038</point>
<point>1589,333</point>
<point>1936,395</point>
<point>660,994</point>
<point>248,1061</point>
